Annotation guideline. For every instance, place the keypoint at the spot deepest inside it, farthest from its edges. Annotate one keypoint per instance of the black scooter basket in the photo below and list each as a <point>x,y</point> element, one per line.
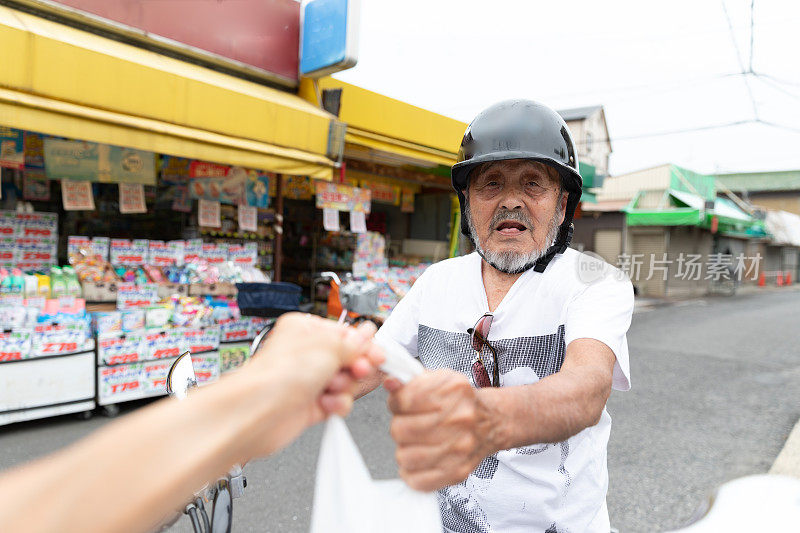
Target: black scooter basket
<point>268,299</point>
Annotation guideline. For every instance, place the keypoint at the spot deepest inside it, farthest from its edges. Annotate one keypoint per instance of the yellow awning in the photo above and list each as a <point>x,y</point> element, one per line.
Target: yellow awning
<point>62,81</point>
<point>380,126</point>
<point>382,148</point>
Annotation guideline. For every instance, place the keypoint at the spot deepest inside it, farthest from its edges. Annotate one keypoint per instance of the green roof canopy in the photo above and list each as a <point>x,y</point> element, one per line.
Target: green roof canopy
<point>682,208</point>
<point>786,180</point>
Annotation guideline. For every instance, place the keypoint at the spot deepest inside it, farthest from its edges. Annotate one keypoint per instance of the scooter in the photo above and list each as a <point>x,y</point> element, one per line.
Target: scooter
<point>181,380</point>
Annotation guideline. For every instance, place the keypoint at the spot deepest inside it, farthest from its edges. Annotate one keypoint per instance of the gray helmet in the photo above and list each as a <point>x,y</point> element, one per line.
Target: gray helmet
<point>521,129</point>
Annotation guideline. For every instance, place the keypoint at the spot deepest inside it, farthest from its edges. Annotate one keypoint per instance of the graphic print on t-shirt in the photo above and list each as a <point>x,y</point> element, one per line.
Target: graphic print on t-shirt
<point>543,355</point>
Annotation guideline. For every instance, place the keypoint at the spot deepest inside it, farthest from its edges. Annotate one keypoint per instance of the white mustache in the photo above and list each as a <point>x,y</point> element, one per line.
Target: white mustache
<point>508,215</point>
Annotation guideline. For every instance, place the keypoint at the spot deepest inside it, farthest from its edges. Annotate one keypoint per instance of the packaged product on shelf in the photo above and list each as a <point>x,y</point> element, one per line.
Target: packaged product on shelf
<point>100,247</point>
<point>92,268</point>
<point>236,330</point>
<point>132,381</point>
<point>223,309</point>
<point>14,316</point>
<point>257,324</point>
<point>206,367</point>
<point>119,383</point>
<point>395,283</point>
<point>158,316</point>
<point>8,254</point>
<point>153,273</point>
<point>107,322</point>
<point>254,275</point>
<point>63,310</point>
<point>15,344</point>
<point>44,285</point>
<point>201,340</point>
<point>233,355</point>
<point>154,376</point>
<point>61,339</point>
<point>71,281</point>
<point>190,311</point>
<point>131,295</point>
<point>370,249</point>
<point>159,254</point>
<point>132,319</point>
<point>31,286</point>
<point>163,344</point>
<point>58,285</point>
<point>117,348</point>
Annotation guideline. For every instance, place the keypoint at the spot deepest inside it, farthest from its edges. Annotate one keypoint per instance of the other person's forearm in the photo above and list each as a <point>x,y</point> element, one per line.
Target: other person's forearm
<point>369,384</point>
<point>176,448</point>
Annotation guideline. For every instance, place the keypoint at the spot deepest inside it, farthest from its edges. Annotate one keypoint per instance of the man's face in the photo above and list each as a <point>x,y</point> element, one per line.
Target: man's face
<point>514,210</point>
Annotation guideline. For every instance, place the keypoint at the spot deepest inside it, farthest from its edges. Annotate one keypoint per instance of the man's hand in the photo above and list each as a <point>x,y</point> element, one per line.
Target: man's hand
<point>441,427</point>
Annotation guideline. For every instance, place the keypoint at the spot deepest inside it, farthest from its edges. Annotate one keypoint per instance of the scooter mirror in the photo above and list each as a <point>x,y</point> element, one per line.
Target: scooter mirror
<point>181,376</point>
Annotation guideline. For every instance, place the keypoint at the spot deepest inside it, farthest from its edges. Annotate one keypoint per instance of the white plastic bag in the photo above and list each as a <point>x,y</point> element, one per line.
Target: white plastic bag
<point>347,500</point>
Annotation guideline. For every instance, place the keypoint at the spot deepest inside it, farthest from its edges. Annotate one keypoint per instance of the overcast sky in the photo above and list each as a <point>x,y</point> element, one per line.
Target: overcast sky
<point>655,66</point>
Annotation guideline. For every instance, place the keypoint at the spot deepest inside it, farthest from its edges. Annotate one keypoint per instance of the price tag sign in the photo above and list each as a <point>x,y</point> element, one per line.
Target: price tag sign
<point>192,250</point>
<point>208,214</point>
<point>235,330</point>
<point>248,218</point>
<point>131,296</point>
<point>245,255</point>
<point>77,195</point>
<point>176,249</point>
<point>100,246</point>
<point>330,219</point>
<point>128,253</point>
<point>33,252</point>
<point>214,254</point>
<point>358,222</point>
<point>131,198</point>
<point>159,254</point>
<point>8,224</point>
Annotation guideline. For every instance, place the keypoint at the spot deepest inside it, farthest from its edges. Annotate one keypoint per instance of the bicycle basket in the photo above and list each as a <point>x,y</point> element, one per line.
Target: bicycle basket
<point>360,297</point>
<point>268,299</point>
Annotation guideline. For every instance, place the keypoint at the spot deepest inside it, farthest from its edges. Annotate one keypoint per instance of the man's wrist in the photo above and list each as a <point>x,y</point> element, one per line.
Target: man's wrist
<point>492,422</point>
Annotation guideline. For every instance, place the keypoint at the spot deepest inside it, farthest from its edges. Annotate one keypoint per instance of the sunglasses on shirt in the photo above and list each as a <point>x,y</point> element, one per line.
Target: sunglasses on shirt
<point>479,335</point>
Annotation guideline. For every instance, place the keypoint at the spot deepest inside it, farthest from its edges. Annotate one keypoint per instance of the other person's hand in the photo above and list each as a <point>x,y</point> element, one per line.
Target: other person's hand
<point>313,366</point>
<point>441,429</point>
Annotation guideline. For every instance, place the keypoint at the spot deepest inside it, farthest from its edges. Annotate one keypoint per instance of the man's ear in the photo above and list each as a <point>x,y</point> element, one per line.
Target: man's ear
<point>563,207</point>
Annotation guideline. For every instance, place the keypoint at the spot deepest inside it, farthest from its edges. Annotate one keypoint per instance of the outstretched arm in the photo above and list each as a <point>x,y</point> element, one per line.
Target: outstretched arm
<point>444,427</point>
<point>144,467</point>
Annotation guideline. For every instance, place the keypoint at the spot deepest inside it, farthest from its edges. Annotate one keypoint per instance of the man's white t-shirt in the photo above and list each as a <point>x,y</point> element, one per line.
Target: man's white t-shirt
<point>544,487</point>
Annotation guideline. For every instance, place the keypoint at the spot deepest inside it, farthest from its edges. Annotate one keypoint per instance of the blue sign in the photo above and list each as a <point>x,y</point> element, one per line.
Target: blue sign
<point>328,36</point>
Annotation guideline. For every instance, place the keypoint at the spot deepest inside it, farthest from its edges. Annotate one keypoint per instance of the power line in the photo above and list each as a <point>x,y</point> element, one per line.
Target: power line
<point>765,80</point>
<point>777,80</point>
<point>733,37</point>
<point>646,86</point>
<point>739,59</point>
<point>779,126</point>
<point>695,129</point>
<point>671,132</point>
<point>752,7</point>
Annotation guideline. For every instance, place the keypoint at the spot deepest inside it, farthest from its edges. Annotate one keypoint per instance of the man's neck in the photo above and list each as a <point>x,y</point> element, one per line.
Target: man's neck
<point>496,284</point>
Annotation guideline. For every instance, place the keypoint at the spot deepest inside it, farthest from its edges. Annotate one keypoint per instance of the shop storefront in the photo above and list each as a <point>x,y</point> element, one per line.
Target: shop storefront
<point>137,189</point>
<point>130,207</point>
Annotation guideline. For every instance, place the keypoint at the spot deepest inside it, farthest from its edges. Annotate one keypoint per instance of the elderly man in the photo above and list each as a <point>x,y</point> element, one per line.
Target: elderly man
<point>526,337</point>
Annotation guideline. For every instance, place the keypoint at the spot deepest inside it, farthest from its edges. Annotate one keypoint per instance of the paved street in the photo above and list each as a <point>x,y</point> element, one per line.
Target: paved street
<point>716,388</point>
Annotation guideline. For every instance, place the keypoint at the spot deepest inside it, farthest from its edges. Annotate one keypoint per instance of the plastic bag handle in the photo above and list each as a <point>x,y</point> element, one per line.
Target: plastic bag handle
<point>399,364</point>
